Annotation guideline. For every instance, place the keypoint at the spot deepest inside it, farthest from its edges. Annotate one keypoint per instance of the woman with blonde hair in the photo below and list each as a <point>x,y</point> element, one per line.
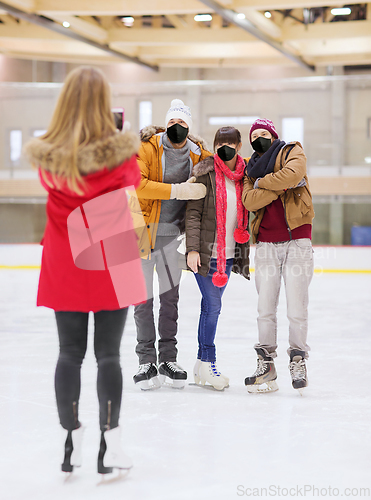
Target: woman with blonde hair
<point>80,158</point>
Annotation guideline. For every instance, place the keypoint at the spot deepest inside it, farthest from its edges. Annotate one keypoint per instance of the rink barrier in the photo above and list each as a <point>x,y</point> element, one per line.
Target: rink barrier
<point>316,271</point>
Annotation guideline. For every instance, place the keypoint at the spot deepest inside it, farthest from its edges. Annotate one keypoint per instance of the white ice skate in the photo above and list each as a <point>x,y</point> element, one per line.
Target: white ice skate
<point>114,456</point>
<point>209,373</point>
<point>196,374</point>
<point>72,449</point>
<point>76,455</point>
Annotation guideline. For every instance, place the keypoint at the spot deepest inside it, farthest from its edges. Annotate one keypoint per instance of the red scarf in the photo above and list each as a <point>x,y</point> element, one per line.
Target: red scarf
<point>240,234</point>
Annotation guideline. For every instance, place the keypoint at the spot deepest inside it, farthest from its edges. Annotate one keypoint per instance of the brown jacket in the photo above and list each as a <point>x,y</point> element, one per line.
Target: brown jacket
<point>290,168</point>
<point>201,224</point>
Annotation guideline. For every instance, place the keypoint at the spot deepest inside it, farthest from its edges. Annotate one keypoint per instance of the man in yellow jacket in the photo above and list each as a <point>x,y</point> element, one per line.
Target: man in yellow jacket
<point>166,159</point>
<point>276,189</point>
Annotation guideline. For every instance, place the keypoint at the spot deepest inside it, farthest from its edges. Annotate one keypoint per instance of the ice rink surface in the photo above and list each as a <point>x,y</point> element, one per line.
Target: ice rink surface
<point>197,444</point>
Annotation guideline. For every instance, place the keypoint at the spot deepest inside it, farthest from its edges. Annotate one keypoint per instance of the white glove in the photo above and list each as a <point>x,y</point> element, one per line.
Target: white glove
<point>189,190</point>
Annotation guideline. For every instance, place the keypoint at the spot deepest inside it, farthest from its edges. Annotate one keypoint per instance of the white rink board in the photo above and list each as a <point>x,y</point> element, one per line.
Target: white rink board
<point>325,257</point>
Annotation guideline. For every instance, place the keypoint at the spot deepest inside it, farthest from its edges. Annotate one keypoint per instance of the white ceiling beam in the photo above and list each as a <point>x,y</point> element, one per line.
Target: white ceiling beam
<point>343,59</point>
<point>70,58</point>
<point>173,37</point>
<point>236,50</point>
<point>325,31</point>
<point>29,31</point>
<point>120,7</point>
<point>232,17</point>
<point>260,21</point>
<point>287,4</point>
<point>223,62</point>
<point>26,5</point>
<point>317,48</point>
<point>51,25</point>
<point>177,21</point>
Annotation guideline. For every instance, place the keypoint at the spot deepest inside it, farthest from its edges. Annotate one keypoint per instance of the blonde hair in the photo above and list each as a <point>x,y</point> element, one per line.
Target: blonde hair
<point>82,115</point>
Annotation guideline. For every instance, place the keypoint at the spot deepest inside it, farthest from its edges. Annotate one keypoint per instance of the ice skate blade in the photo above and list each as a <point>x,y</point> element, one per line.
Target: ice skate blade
<point>209,387</point>
<point>301,390</point>
<point>149,385</point>
<point>113,478</point>
<point>169,382</point>
<point>270,386</point>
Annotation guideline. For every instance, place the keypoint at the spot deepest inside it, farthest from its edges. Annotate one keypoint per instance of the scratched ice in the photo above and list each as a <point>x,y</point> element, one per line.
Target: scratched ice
<point>196,444</point>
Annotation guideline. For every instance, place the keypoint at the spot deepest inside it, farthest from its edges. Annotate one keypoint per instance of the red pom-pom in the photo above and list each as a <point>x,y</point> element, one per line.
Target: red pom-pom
<point>220,279</point>
<point>241,235</point>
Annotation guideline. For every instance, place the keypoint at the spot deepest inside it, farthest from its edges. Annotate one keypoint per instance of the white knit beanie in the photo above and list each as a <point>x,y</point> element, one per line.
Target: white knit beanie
<point>179,110</point>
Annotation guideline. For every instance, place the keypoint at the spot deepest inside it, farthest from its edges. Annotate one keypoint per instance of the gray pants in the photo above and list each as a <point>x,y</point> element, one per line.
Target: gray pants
<point>165,258</point>
<point>292,260</point>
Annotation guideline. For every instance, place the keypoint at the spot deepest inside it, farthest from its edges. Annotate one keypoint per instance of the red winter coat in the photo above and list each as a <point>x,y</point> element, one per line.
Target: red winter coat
<point>107,166</point>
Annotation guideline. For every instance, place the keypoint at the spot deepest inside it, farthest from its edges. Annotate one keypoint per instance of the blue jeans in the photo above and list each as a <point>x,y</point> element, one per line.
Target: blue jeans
<point>211,305</point>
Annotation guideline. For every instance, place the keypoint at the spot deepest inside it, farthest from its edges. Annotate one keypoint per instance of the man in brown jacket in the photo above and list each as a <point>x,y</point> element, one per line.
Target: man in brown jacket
<point>276,189</point>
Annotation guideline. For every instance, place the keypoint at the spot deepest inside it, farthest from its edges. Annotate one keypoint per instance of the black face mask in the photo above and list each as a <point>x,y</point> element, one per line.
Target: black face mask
<point>226,153</point>
<point>176,133</point>
<point>261,144</point>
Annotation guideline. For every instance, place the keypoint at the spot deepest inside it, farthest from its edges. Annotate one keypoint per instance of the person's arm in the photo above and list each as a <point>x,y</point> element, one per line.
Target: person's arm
<point>149,189</point>
<point>194,212</point>
<point>255,199</point>
<point>289,176</point>
<point>154,190</point>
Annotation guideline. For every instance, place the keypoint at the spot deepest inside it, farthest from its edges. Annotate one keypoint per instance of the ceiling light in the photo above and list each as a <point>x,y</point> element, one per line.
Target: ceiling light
<point>341,12</point>
<point>66,24</point>
<point>203,17</point>
<point>128,20</point>
<point>268,14</point>
<point>368,159</point>
<point>241,16</point>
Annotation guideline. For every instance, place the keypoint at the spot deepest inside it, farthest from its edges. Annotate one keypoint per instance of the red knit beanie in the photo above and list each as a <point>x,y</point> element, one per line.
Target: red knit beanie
<point>266,125</point>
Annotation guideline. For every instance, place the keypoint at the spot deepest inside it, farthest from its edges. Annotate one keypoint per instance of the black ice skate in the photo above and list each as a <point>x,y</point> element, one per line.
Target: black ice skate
<point>264,378</point>
<point>172,374</point>
<point>298,370</point>
<point>146,378</point>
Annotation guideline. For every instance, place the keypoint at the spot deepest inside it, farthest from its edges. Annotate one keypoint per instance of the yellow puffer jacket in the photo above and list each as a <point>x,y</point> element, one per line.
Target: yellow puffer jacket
<point>152,190</point>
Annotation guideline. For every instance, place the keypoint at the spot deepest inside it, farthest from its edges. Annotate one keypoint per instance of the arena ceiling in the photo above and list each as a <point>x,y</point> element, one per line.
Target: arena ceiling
<point>164,33</point>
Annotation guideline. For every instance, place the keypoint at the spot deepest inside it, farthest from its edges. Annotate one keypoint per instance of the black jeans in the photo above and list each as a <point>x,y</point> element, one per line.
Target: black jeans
<point>73,337</point>
<point>165,258</point>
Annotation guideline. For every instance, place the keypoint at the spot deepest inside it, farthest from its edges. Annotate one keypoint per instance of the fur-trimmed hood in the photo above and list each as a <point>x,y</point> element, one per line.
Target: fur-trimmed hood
<point>147,132</point>
<point>205,166</point>
<point>110,153</point>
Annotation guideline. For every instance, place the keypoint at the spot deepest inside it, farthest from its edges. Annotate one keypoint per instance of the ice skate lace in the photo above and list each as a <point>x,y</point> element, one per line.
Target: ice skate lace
<point>297,369</point>
<point>174,366</point>
<point>261,368</point>
<point>144,368</point>
<point>214,369</point>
